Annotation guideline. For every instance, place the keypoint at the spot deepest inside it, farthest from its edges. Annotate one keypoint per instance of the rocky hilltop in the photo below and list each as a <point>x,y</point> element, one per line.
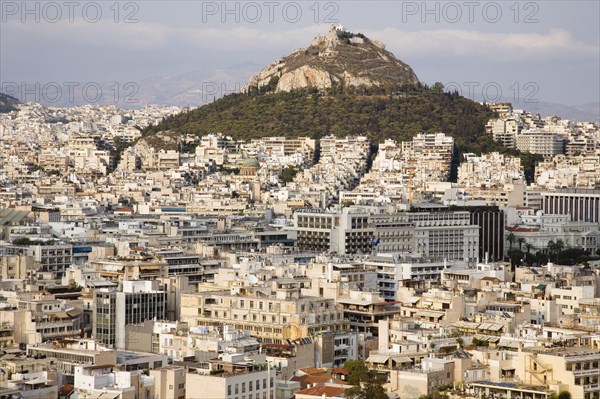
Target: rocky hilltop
<point>8,103</point>
<point>338,58</point>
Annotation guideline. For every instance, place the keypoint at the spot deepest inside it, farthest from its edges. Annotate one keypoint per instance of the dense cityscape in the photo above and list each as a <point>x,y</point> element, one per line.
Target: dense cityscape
<point>235,262</point>
<point>144,255</point>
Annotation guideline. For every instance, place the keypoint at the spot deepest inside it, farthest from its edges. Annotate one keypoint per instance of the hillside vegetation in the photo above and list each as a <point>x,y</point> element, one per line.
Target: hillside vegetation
<point>378,113</point>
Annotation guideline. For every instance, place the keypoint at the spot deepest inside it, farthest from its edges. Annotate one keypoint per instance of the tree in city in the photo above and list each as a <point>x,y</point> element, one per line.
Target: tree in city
<point>511,240</point>
<point>560,395</point>
<point>555,248</point>
<point>521,241</point>
<point>366,390</point>
<point>366,383</point>
<point>528,248</point>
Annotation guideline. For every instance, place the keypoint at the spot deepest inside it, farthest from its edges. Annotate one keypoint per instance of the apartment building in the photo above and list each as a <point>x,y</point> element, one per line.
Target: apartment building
<point>574,369</point>
<point>169,382</point>
<point>395,270</point>
<point>69,353</point>
<point>16,266</point>
<point>505,130</point>
<point>96,381</point>
<point>53,259</point>
<point>39,319</point>
<point>543,143</point>
<point>343,232</point>
<point>273,314</point>
<point>231,377</point>
<point>439,235</point>
<point>445,235</point>
<point>113,310</point>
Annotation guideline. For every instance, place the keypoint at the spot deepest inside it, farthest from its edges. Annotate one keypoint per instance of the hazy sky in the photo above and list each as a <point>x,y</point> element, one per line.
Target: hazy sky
<point>548,50</point>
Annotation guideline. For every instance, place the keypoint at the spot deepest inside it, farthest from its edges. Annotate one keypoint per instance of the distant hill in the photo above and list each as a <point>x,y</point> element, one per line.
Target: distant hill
<point>582,113</point>
<point>340,58</point>
<point>8,103</point>
<point>342,84</point>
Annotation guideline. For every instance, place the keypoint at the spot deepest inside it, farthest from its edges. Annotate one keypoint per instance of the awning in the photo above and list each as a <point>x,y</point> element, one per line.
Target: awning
<point>380,359</point>
<point>490,327</point>
<point>426,313</point>
<point>508,343</point>
<point>150,267</point>
<point>74,312</point>
<point>38,380</point>
<point>60,315</point>
<point>402,359</point>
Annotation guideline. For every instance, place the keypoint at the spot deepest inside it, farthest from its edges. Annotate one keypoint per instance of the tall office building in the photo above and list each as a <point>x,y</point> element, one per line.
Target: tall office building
<point>114,309</point>
<point>581,204</point>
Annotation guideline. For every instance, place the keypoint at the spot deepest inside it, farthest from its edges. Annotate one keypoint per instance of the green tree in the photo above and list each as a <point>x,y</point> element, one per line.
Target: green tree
<point>22,241</point>
<point>528,248</point>
<point>460,342</point>
<point>359,372</point>
<point>555,248</point>
<point>511,240</point>
<point>74,287</point>
<point>367,390</point>
<point>521,241</point>
<point>437,87</point>
<point>560,395</point>
<point>287,174</point>
<point>366,383</point>
<point>560,245</point>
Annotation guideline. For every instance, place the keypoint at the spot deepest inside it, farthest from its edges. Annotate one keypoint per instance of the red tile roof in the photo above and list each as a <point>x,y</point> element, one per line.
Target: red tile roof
<point>321,390</point>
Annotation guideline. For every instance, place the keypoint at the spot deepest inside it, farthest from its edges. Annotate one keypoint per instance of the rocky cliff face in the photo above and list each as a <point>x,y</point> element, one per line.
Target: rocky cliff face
<point>338,58</point>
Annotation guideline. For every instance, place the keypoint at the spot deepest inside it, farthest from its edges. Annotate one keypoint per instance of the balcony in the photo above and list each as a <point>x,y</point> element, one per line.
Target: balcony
<point>591,387</point>
<point>584,373</point>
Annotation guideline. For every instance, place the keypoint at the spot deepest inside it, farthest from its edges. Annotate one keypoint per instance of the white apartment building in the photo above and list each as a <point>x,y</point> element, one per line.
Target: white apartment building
<point>438,235</point>
<point>505,130</point>
<point>394,269</point>
<point>445,235</point>
<point>232,378</point>
<point>542,143</point>
<point>273,314</point>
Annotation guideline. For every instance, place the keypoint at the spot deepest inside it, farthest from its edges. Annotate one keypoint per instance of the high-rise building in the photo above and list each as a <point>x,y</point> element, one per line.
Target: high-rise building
<point>114,309</point>
<point>580,204</point>
<point>439,234</point>
<point>490,220</point>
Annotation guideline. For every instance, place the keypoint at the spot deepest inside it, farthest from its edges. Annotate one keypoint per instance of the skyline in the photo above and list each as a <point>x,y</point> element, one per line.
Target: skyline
<point>465,48</point>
